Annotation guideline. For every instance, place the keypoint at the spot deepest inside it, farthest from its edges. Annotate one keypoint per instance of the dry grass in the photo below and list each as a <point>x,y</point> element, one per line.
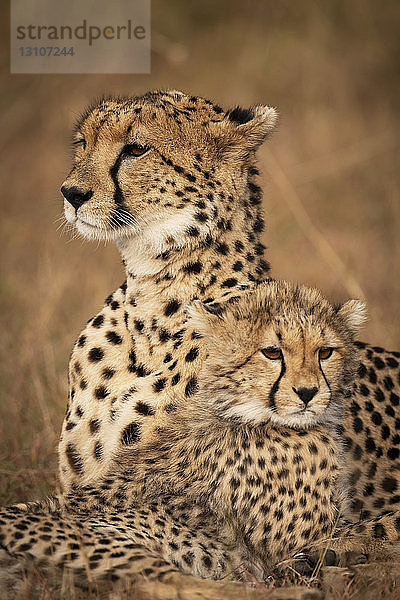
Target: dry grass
<point>331,178</point>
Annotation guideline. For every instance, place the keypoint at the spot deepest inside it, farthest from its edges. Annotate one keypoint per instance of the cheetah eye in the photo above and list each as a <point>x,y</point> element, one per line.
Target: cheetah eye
<point>80,142</point>
<point>134,150</point>
<point>272,353</point>
<point>325,353</point>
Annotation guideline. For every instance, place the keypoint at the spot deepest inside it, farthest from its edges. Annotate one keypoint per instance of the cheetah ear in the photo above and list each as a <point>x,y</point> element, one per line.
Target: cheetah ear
<point>204,317</point>
<point>354,314</point>
<point>243,130</point>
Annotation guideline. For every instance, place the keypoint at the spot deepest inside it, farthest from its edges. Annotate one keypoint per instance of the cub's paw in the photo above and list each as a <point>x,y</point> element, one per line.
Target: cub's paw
<point>308,562</point>
<point>345,551</point>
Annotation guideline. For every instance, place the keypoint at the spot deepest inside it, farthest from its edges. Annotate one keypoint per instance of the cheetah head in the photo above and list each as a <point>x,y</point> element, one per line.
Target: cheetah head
<point>281,353</point>
<point>164,166</point>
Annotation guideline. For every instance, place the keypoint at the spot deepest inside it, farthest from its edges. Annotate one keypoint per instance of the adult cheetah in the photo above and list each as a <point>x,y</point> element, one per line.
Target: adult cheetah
<point>171,179</point>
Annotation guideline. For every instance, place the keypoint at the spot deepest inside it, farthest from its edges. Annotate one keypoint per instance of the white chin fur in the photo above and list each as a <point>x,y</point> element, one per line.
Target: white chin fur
<point>303,420</point>
<point>255,412</point>
<point>152,235</point>
<point>90,231</point>
<point>93,232</point>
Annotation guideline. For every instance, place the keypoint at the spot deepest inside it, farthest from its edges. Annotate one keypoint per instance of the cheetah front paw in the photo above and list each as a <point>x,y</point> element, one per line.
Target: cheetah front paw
<point>344,551</point>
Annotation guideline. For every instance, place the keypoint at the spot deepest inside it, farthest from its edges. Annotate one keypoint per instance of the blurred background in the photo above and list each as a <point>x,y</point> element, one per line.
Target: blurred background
<point>330,176</point>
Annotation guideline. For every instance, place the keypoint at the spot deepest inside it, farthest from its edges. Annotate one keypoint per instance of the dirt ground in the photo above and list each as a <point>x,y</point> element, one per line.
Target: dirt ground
<point>330,174</point>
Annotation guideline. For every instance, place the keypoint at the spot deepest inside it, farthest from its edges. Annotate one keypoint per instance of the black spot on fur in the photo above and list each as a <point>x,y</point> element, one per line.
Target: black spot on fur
<point>139,325</point>
<point>193,267</point>
<point>191,387</point>
<point>144,409</point>
<point>108,373</point>
<point>389,484</point>
<point>141,371</point>
<point>131,434</point>
<point>94,426</point>
<point>98,450</point>
<point>113,337</point>
<point>228,283</point>
<point>101,392</point>
<point>238,266</point>
<point>95,354</point>
<point>193,231</point>
<point>201,217</point>
<point>98,321</point>
<point>393,453</point>
<point>176,378</point>
<point>192,355</point>
<point>164,335</point>
<point>239,246</point>
<point>171,308</point>
<point>159,385</point>
<point>222,248</point>
<point>74,459</point>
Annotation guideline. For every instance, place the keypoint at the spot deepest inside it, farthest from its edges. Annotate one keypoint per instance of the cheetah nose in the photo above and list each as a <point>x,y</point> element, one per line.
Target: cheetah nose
<point>75,196</point>
<point>306,394</point>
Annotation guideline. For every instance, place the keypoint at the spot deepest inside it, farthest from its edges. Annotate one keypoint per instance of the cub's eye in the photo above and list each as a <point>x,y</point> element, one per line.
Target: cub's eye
<point>81,142</point>
<point>135,150</point>
<point>325,353</point>
<point>272,353</point>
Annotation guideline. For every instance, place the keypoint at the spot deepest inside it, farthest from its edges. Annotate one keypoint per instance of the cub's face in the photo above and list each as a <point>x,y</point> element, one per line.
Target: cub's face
<point>281,354</point>
<point>162,165</point>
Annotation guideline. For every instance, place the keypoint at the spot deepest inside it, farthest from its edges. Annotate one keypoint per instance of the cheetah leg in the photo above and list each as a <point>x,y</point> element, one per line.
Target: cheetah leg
<point>103,542</point>
<point>94,552</point>
<point>196,552</point>
<point>90,553</point>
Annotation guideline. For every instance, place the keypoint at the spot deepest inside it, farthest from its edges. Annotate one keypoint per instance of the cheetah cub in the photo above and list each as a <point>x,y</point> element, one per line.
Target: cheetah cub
<point>281,354</point>
<point>257,445</point>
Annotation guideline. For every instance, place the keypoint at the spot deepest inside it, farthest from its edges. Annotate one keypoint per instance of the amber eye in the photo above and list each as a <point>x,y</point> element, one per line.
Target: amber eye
<point>80,142</point>
<point>325,353</point>
<point>272,353</point>
<point>134,150</point>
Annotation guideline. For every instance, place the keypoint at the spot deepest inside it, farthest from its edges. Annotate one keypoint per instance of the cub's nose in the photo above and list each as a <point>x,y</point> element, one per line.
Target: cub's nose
<point>75,196</point>
<point>306,394</point>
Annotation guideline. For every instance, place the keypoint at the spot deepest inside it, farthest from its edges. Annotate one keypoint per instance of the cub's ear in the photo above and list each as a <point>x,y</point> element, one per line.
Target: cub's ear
<point>204,317</point>
<point>354,314</point>
<point>243,130</point>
